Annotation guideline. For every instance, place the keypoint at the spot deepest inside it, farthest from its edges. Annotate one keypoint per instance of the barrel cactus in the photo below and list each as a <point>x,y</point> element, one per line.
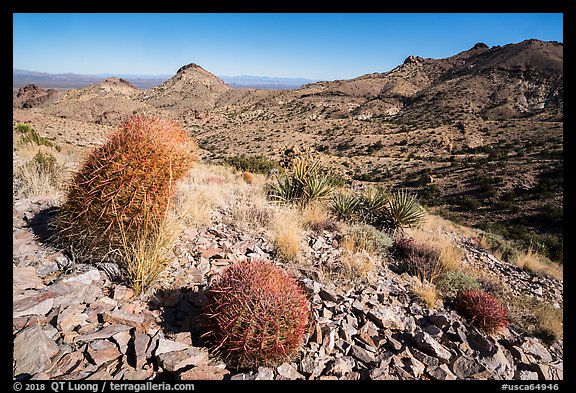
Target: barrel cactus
<point>256,314</point>
<point>124,188</point>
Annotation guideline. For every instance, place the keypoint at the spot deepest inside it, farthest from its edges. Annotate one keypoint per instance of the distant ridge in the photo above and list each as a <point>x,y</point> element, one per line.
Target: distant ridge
<point>21,78</point>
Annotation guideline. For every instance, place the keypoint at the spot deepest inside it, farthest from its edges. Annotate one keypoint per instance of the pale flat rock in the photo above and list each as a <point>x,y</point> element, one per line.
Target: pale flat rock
<point>165,346</point>
<point>89,277</point>
<point>25,278</point>
<point>204,373</point>
<point>124,318</point>
<point>33,351</point>
<point>264,374</point>
<point>175,361</point>
<point>71,317</point>
<point>122,339</point>
<point>38,303</point>
<point>288,371</point>
<point>141,341</point>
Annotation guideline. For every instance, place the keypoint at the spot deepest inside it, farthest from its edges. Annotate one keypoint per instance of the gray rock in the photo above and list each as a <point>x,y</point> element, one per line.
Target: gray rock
<point>386,318</point>
<point>432,347</point>
<point>430,361</point>
<point>439,320</point>
<point>432,330</point>
<point>481,343</point>
<point>288,371</point>
<point>525,375</point>
<point>534,348</point>
<point>362,355</point>
<point>176,361</point>
<point>32,351</point>
<point>465,367</point>
<point>441,372</point>
<point>264,374</point>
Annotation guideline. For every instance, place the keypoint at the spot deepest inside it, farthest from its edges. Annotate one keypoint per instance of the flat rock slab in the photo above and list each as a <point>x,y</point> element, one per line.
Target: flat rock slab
<point>33,351</point>
<point>37,303</point>
<point>103,333</point>
<point>176,361</point>
<point>25,278</point>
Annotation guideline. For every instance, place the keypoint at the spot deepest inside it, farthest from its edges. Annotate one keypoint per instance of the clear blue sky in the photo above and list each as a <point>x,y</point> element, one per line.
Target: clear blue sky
<point>315,46</point>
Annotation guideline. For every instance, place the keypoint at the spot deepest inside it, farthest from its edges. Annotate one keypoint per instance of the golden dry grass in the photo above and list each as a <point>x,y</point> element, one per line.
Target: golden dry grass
<point>534,262</point>
<point>287,233</point>
<point>426,293</point>
<point>358,265</point>
<point>432,233</point>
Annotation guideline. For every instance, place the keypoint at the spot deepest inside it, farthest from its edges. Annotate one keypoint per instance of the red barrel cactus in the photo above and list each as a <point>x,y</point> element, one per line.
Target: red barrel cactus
<point>257,315</point>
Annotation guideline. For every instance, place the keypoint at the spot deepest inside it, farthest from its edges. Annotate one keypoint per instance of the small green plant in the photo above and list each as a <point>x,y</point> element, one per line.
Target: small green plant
<point>454,281</point>
<point>256,315</point>
<point>363,237</point>
<point>481,309</point>
<point>29,135</point>
<point>39,176</point>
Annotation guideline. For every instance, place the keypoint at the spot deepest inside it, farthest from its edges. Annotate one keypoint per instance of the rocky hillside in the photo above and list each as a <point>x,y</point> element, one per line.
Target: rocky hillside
<point>78,321</point>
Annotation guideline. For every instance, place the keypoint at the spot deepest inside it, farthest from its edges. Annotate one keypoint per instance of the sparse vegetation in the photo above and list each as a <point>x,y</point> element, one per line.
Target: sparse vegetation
<point>253,163</point>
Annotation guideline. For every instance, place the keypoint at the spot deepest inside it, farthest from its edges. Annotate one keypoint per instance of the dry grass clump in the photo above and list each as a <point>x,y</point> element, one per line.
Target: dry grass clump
<point>537,317</point>
<point>534,262</point>
<point>316,217</point>
<point>287,233</point>
<point>426,293</point>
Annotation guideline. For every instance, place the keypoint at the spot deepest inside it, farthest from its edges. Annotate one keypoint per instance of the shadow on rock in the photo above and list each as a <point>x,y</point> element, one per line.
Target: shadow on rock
<point>182,312</point>
<point>41,222</point>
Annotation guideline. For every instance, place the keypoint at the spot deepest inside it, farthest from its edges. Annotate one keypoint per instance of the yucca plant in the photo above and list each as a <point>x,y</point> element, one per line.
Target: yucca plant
<point>373,207</point>
<point>256,315</point>
<point>303,184</point>
<point>345,207</point>
<point>402,211</point>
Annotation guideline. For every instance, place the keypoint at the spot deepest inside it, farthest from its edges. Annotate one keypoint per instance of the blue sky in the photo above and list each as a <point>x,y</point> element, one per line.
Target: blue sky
<point>314,46</point>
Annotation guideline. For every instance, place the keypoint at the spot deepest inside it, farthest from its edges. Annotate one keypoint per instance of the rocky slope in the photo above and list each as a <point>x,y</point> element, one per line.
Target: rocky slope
<point>72,321</point>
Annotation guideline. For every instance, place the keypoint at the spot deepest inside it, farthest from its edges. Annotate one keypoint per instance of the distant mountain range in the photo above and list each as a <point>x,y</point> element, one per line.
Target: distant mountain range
<point>22,78</point>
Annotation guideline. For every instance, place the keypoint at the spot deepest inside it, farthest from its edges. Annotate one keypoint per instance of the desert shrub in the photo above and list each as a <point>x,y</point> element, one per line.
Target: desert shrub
<point>29,135</point>
<point>124,188</point>
<point>467,203</point>
<point>252,163</point>
<point>363,237</point>
<point>418,260</point>
<point>454,281</point>
<point>256,314</point>
<point>481,309</point>
<point>39,176</point>
<point>303,184</point>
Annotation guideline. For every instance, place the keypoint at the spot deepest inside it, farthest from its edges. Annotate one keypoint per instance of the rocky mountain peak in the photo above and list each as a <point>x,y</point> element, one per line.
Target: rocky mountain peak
<point>413,60</point>
<point>480,45</point>
<point>117,82</point>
